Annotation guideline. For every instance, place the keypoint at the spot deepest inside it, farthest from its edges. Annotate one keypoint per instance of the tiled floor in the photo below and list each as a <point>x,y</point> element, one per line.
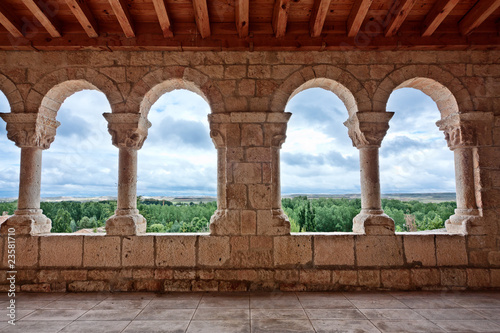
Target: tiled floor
<point>256,312</point>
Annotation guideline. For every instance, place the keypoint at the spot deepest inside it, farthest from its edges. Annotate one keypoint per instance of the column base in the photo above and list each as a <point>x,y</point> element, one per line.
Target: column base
<point>225,222</point>
<point>27,222</point>
<point>373,222</point>
<point>279,224</point>
<point>125,224</point>
<point>464,224</point>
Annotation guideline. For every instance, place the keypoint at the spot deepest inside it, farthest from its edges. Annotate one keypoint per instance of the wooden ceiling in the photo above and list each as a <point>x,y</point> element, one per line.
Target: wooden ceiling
<point>248,24</point>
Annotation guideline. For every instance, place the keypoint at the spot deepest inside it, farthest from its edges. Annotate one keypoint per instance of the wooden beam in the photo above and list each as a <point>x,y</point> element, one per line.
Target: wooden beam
<point>45,17</point>
<point>83,14</point>
<point>357,16</point>
<point>241,12</point>
<point>280,17</point>
<point>201,17</point>
<point>480,12</point>
<point>436,16</point>
<point>10,22</point>
<point>122,14</point>
<point>397,15</point>
<point>161,12</point>
<point>318,16</point>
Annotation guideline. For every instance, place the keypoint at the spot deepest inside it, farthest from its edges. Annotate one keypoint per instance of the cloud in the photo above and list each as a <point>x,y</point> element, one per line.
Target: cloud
<point>174,132</point>
<point>400,143</point>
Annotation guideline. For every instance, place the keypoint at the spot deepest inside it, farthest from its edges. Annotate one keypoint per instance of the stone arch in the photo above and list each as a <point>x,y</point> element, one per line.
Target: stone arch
<point>155,84</point>
<point>445,89</point>
<point>48,94</point>
<point>331,78</point>
<point>12,94</point>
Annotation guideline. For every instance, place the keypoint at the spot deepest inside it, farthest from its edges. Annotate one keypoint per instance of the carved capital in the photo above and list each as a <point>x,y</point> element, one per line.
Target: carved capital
<point>367,129</point>
<point>30,129</point>
<point>462,130</point>
<point>128,130</point>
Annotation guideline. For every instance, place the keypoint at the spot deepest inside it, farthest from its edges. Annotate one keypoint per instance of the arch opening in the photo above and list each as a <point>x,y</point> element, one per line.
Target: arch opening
<point>9,168</point>
<point>415,162</point>
<point>319,161</point>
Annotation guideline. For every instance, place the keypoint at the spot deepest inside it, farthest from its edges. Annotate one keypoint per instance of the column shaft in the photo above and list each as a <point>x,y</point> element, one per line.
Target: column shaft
<point>370,180</point>
<point>30,179</point>
<point>127,181</point>
<point>464,177</point>
<point>276,180</point>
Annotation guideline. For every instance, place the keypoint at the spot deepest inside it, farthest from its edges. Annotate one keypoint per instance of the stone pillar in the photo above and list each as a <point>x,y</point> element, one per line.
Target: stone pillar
<point>366,130</point>
<point>248,191</point>
<point>32,132</point>
<point>128,133</point>
<point>464,133</point>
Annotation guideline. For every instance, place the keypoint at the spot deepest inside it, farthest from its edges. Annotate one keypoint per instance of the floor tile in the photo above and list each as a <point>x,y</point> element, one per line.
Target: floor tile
<point>429,303</point>
<point>406,326</point>
<point>155,326</point>
<point>177,303</point>
<point>478,302</point>
<point>132,296</point>
<point>278,314</point>
<point>281,326</point>
<point>219,326</point>
<point>449,314</point>
<point>122,304</point>
<point>106,315</point>
<point>275,301</point>
<point>224,301</point>
<point>48,326</point>
<point>41,315</point>
<point>31,304</point>
<point>96,327</point>
<point>391,314</point>
<point>217,314</point>
<point>493,313</point>
<point>368,296</point>
<point>166,314</point>
<point>72,304</point>
<point>468,326</point>
<point>378,304</point>
<point>325,303</point>
<point>39,296</point>
<point>91,296</point>
<point>344,326</point>
<point>334,314</point>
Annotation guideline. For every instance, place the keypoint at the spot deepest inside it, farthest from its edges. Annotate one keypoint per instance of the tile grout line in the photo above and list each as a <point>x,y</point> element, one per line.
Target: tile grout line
<point>195,310</point>
<point>305,312</point>
<point>137,315</point>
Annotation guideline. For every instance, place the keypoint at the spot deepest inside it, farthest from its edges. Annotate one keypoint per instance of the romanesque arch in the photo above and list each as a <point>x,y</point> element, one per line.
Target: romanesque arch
<point>442,86</point>
<point>154,84</point>
<point>331,78</point>
<point>12,94</point>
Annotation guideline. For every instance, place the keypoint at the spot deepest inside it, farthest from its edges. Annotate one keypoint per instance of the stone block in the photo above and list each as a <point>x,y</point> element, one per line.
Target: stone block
<point>233,135</point>
<point>369,278</point>
<point>315,276</point>
<point>75,274</point>
<point>420,250</point>
<point>259,71</point>
<point>26,251</point>
<point>236,196</point>
<point>246,87</point>
<point>395,278</point>
<point>259,196</point>
<point>259,154</point>
<point>421,277</point>
<point>101,274</point>
<point>138,251</point>
<point>333,250</point>
<point>101,251</point>
<point>143,273</point>
<point>205,286</point>
<point>163,274</point>
<point>292,250</point>
<point>247,173</point>
<point>345,277</point>
<point>478,278</point>
<point>453,277</point>
<point>48,275</point>
<point>267,176</point>
<point>248,222</point>
<point>235,155</point>
<point>88,286</point>
<point>251,135</point>
<point>451,250</point>
<point>379,251</point>
<point>233,286</point>
<point>495,278</point>
<point>235,72</point>
<point>61,251</point>
<point>236,103</point>
<point>239,243</point>
<point>148,285</point>
<point>272,222</point>
<point>213,250</point>
<point>177,286</point>
<point>176,251</point>
<point>260,243</point>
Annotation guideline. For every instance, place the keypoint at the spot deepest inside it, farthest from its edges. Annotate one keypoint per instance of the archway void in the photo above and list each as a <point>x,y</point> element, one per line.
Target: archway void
<point>81,162</point>
<point>178,157</point>
<point>9,166</point>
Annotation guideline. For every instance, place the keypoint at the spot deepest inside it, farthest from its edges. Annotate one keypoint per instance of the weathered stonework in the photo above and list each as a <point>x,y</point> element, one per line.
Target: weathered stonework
<point>250,246</point>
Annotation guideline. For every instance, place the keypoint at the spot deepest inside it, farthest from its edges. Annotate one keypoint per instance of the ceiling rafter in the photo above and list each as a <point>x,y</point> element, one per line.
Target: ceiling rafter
<point>83,14</point>
<point>318,16</point>
<point>201,17</point>
<point>397,15</point>
<point>280,17</point>
<point>123,16</point>
<point>162,14</point>
<point>45,16</point>
<point>357,16</point>
<point>10,21</point>
<point>436,16</point>
<point>242,16</point>
<point>480,12</point>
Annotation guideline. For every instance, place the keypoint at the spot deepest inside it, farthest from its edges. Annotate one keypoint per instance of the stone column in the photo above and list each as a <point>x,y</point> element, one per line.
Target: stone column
<point>32,132</point>
<point>366,130</point>
<point>248,191</point>
<point>464,133</point>
<point>128,133</point>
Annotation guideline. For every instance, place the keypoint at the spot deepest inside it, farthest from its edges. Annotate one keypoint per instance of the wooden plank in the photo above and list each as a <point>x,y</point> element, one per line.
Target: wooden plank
<point>83,14</point>
<point>10,21</point>
<point>280,17</point>
<point>438,13</point>
<point>318,16</point>
<point>397,15</point>
<point>45,17</point>
<point>161,12</point>
<point>480,12</point>
<point>122,14</point>
<point>241,12</point>
<point>201,17</point>
<point>357,16</point>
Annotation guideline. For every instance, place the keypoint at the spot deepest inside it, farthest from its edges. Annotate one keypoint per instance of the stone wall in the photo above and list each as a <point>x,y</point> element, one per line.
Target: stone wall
<point>250,246</point>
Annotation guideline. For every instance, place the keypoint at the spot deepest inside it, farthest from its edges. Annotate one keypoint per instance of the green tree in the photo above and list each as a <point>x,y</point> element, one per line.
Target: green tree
<point>61,222</point>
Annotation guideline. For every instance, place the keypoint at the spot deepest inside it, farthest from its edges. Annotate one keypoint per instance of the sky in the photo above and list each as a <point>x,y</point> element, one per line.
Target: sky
<point>179,158</point>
